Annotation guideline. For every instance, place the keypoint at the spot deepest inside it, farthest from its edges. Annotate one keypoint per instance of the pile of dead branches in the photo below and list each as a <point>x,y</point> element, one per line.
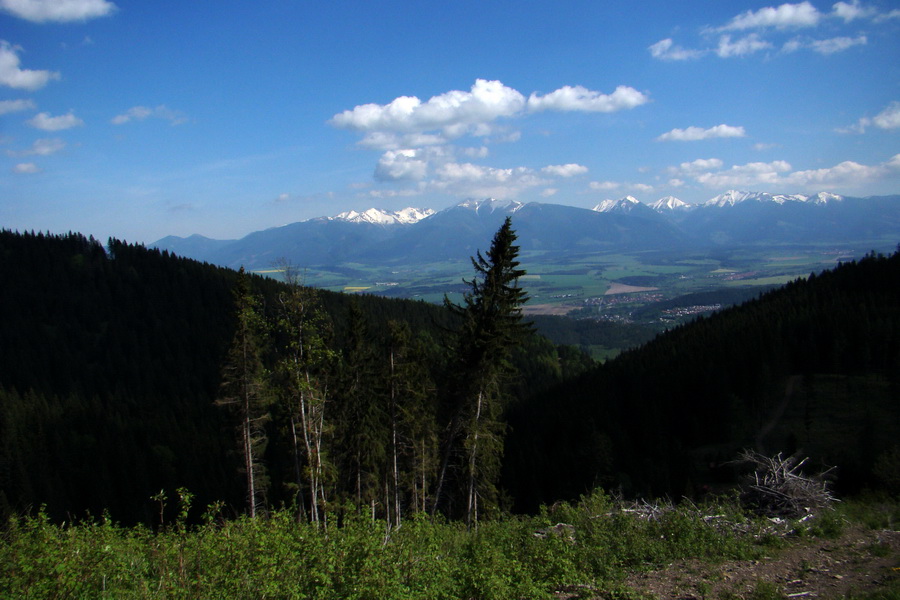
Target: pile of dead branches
<point>777,488</point>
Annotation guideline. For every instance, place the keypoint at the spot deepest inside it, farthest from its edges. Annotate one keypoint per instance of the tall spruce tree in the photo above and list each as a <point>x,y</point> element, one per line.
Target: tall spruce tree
<point>243,391</point>
<point>490,326</point>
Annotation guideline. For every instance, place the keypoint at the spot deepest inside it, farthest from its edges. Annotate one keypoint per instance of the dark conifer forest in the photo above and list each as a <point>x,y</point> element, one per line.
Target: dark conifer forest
<point>126,371</point>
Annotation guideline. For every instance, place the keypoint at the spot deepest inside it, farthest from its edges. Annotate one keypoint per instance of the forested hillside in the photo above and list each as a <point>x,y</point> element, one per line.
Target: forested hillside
<point>119,378</point>
<point>811,367</point>
<point>111,362</point>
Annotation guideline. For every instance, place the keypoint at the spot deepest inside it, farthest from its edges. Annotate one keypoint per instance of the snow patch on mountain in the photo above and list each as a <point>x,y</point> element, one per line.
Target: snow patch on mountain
<point>623,205</point>
<point>377,216</point>
<point>670,204</point>
<point>733,197</point>
<point>491,205</point>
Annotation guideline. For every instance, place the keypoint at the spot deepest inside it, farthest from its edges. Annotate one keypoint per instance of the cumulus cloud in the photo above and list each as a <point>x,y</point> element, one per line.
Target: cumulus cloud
<point>26,168</point>
<point>742,47</point>
<point>10,106</point>
<point>467,179</point>
<point>743,176</point>
<point>42,147</point>
<point>826,46</point>
<point>604,185</point>
<point>569,98</point>
<point>456,113</point>
<point>47,123</point>
<point>838,44</point>
<point>852,11</point>
<point>60,11</point>
<point>667,50</point>
<point>692,134</point>
<point>779,174</point>
<point>395,165</point>
<point>140,113</point>
<point>486,101</point>
<point>12,75</point>
<point>889,118</point>
<point>803,14</point>
<point>847,173</point>
<point>569,170</point>
<point>697,166</point>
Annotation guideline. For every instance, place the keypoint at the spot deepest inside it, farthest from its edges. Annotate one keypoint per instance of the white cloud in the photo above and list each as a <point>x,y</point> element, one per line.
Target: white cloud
<point>692,134</point>
<point>12,75</point>
<point>47,123</point>
<point>743,176</point>
<point>42,147</point>
<point>467,179</point>
<point>852,11</point>
<point>827,46</point>
<point>10,106</point>
<point>667,50</point>
<point>845,174</point>
<point>569,98</point>
<point>40,11</point>
<point>604,185</point>
<point>889,118</point>
<point>697,166</point>
<point>742,47</point>
<point>569,170</point>
<point>486,101</point>
<point>140,113</point>
<point>838,44</point>
<point>778,174</point>
<point>395,165</point>
<point>26,168</point>
<point>548,192</point>
<point>803,14</point>
<point>456,113</point>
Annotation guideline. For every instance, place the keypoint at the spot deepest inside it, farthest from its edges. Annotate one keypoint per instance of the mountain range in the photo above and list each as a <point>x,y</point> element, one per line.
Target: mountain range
<point>414,235</point>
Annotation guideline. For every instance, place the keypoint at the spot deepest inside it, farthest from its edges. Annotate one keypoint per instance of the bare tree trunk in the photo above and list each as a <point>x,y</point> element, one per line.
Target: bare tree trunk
<point>472,508</point>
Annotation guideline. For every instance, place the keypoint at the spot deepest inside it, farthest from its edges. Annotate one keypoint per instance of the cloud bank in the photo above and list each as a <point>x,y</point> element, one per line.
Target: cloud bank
<point>59,11</point>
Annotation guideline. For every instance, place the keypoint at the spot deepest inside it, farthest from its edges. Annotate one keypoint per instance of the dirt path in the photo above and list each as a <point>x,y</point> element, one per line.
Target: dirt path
<point>861,561</point>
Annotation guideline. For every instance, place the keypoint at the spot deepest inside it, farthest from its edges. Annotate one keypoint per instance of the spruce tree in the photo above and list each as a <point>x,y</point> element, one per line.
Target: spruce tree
<point>490,326</point>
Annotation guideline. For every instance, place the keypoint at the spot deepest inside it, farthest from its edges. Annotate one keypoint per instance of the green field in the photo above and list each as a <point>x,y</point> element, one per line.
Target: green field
<point>602,285</point>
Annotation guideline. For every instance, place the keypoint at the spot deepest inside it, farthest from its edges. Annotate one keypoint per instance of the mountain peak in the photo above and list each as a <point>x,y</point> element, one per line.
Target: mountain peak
<point>491,205</point>
<point>377,216</point>
<point>732,197</point>
<point>669,203</point>
<point>623,205</point>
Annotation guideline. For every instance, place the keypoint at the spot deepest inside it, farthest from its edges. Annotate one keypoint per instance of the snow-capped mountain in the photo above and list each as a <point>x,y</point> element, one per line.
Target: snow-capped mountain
<point>490,205</point>
<point>670,204</point>
<point>409,236</point>
<point>623,205</point>
<point>733,197</point>
<point>376,216</point>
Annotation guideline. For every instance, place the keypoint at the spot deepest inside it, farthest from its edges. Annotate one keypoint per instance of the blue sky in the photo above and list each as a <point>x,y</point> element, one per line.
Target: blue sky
<point>144,119</point>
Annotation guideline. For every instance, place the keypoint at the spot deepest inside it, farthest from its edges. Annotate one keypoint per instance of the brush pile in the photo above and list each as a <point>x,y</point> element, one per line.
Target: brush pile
<point>777,488</point>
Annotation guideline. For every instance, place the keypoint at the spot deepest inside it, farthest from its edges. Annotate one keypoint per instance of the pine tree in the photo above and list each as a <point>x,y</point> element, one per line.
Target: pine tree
<point>491,325</point>
<point>243,391</point>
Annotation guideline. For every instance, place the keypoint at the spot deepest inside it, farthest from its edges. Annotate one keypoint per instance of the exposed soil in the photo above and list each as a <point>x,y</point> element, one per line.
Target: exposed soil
<point>859,562</point>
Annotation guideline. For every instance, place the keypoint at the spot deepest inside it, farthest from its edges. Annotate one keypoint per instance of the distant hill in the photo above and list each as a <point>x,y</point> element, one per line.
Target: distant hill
<point>812,367</point>
<point>416,236</point>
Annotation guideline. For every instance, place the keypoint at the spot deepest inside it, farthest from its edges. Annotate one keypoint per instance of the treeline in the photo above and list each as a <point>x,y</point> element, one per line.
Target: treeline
<point>111,363</point>
<point>812,367</point>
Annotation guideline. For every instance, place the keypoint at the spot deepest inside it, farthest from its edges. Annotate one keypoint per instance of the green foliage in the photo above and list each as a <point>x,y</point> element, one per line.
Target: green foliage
<point>424,559</point>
